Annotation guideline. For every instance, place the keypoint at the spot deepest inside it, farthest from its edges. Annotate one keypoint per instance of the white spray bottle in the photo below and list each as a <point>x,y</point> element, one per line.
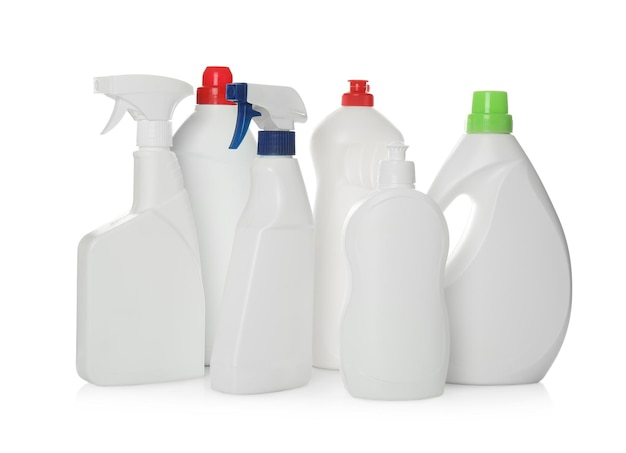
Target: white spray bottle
<point>264,336</point>
<point>508,281</point>
<point>140,296</point>
<point>346,148</point>
<point>394,332</point>
<point>218,182</point>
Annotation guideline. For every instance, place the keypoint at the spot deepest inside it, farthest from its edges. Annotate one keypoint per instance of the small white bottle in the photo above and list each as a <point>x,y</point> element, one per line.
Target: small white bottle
<point>346,148</point>
<point>140,299</point>
<point>264,336</point>
<point>508,281</point>
<point>394,332</point>
<point>218,181</point>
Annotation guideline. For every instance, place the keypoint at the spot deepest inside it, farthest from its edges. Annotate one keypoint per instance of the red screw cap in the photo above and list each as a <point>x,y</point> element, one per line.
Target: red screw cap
<point>213,89</point>
<point>359,95</point>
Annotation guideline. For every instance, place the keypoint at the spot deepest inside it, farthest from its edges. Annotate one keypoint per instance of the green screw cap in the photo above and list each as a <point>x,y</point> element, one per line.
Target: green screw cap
<point>490,113</point>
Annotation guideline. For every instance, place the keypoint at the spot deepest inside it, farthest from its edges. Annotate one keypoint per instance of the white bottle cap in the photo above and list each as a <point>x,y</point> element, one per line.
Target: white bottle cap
<point>396,170</point>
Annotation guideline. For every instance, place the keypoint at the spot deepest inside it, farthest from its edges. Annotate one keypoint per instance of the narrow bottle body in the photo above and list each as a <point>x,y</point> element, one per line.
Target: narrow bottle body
<point>508,282</point>
<point>394,333</point>
<point>218,181</point>
<point>264,337</point>
<point>346,149</point>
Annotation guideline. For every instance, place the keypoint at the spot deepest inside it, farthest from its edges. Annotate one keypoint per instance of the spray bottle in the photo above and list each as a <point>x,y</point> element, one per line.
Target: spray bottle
<point>346,148</point>
<point>394,332</point>
<point>508,281</point>
<point>140,296</point>
<point>264,335</point>
<point>218,182</point>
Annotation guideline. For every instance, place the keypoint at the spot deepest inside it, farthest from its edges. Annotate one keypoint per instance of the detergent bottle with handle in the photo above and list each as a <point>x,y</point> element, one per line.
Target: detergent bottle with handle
<point>508,281</point>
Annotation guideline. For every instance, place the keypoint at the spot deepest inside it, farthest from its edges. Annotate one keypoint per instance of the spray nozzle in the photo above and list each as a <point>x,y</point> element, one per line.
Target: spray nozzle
<point>149,99</point>
<point>396,170</point>
<point>275,109</point>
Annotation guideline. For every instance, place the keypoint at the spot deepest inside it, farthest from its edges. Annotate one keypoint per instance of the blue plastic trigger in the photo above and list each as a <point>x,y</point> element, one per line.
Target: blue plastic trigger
<point>245,113</point>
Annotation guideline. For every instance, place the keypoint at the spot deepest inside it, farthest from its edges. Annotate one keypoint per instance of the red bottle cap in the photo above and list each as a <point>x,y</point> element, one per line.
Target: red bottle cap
<point>359,95</point>
<point>213,89</point>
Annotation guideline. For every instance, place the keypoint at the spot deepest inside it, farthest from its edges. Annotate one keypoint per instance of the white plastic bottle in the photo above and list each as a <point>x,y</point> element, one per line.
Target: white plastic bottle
<point>140,298</point>
<point>264,336</point>
<point>346,148</point>
<point>394,333</point>
<point>218,181</point>
<point>508,282</point>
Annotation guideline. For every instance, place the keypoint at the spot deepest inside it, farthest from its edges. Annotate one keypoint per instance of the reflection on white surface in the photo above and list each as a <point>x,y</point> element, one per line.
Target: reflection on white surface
<point>519,399</point>
<point>181,394</point>
<point>324,391</point>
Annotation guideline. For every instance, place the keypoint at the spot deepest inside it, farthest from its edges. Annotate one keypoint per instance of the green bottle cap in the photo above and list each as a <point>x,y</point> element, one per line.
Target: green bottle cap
<point>490,113</point>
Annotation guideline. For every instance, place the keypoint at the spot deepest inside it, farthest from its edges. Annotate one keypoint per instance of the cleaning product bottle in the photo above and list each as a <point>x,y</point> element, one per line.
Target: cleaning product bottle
<point>394,332</point>
<point>346,148</point>
<point>508,281</point>
<point>140,297</point>
<point>264,336</point>
<point>218,182</point>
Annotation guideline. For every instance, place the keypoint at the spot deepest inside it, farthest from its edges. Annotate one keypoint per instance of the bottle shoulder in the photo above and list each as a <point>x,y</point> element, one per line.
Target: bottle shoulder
<point>488,148</point>
<point>209,116</point>
<point>173,216</point>
<point>476,161</point>
<point>390,205</point>
<point>209,130</point>
<point>401,195</point>
<point>355,124</point>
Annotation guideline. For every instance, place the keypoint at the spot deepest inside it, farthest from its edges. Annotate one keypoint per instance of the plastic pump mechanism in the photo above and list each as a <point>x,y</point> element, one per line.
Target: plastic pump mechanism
<point>149,99</point>
<point>490,113</point>
<point>274,109</point>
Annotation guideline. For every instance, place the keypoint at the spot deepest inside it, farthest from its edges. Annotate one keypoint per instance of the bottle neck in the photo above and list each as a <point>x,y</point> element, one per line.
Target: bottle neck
<point>276,143</point>
<point>157,177</point>
<point>154,134</point>
<point>396,173</point>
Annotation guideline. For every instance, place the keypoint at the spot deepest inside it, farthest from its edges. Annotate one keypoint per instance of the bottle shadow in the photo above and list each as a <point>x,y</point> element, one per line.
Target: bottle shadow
<point>325,387</point>
<point>184,395</point>
<point>501,399</point>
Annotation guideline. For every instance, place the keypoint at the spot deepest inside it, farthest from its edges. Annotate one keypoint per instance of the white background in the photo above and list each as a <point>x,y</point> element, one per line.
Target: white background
<point>563,66</point>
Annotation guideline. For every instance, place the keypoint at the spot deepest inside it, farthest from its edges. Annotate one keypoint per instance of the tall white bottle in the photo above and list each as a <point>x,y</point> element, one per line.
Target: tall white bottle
<point>218,181</point>
<point>140,298</point>
<point>346,148</point>
<point>394,334</point>
<point>264,336</point>
<point>508,282</point>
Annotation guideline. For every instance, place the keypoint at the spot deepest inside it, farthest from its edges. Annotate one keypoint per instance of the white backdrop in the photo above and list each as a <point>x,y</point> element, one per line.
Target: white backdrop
<point>562,64</point>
